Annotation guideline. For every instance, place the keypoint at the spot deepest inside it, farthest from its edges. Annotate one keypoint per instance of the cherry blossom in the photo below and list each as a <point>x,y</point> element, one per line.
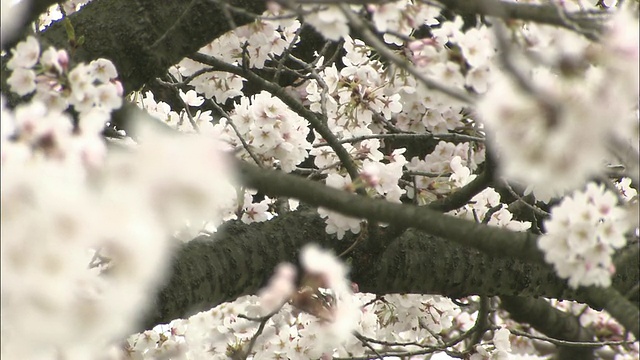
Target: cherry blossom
<point>70,174</point>
<point>582,234</point>
<point>25,55</point>
<point>330,21</point>
<point>61,180</point>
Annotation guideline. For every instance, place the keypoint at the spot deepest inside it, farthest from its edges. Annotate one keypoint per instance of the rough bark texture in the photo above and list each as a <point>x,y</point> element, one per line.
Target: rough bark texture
<point>144,37</point>
<point>237,261</point>
<point>240,258</point>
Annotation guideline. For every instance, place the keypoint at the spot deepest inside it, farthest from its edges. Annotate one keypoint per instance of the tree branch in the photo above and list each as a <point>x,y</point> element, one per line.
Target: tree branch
<point>467,192</point>
<point>552,322</point>
<point>135,38</point>
<point>589,23</point>
<point>240,258</point>
<point>144,39</point>
<point>490,240</point>
<point>237,261</point>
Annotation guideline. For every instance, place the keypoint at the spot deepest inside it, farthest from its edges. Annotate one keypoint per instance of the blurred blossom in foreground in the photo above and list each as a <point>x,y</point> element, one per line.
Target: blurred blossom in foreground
<point>324,292</point>
<point>588,95</point>
<point>84,243</point>
<point>12,12</point>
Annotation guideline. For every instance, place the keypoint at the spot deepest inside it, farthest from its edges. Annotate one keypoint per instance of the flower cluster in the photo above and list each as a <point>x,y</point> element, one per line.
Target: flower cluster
<point>337,223</point>
<point>329,21</point>
<point>383,178</point>
<point>202,120</point>
<point>71,6</point>
<point>88,88</point>
<point>41,128</point>
<point>438,113</point>
<point>273,133</point>
<point>356,95</point>
<point>34,133</point>
<point>59,10</point>
<point>501,347</point>
<point>361,100</point>
<point>583,232</point>
<point>87,237</point>
<point>439,177</point>
<point>564,106</point>
<point>327,294</point>
<point>225,330</point>
<point>401,17</point>
<point>257,42</point>
<point>414,318</point>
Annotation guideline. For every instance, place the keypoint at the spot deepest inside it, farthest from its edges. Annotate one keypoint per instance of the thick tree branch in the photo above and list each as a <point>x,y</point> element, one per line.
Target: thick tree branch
<point>590,23</point>
<point>240,258</point>
<point>136,39</point>
<point>618,306</point>
<point>144,38</point>
<point>237,261</point>
<point>490,240</point>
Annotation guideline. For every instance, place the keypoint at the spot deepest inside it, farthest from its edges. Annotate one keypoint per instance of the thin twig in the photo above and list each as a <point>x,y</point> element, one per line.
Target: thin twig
<point>482,321</point>
<point>568,343</point>
<point>244,143</point>
<point>263,322</point>
<point>533,207</point>
<point>453,137</point>
<point>427,174</point>
<point>173,85</point>
<point>366,344</point>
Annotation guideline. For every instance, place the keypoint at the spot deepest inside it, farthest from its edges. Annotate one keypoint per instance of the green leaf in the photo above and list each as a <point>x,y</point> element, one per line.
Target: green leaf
<point>71,33</point>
